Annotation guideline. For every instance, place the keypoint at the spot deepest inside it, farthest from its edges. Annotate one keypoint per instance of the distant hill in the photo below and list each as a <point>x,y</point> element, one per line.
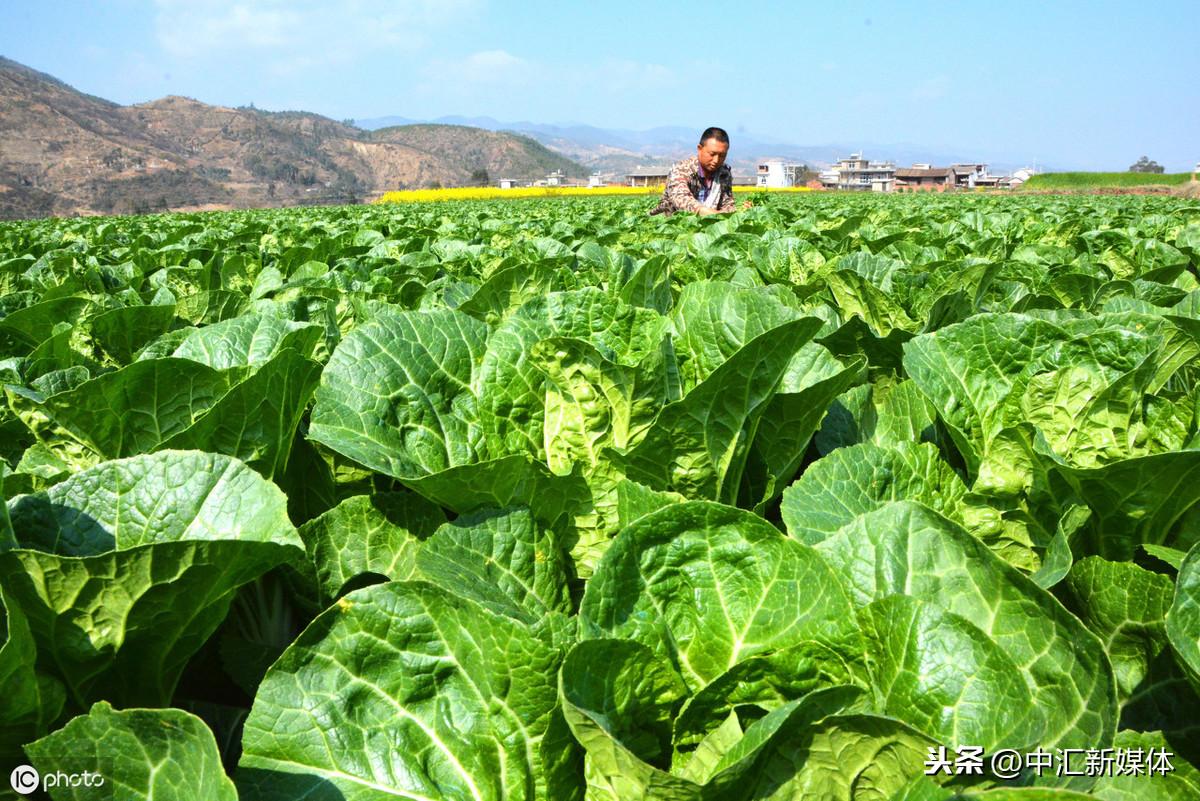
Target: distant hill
<point>65,152</point>
<point>619,150</point>
<point>503,155</point>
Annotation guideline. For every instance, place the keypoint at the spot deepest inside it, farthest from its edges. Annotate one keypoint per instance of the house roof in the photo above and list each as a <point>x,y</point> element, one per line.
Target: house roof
<point>654,173</point>
<point>914,172</point>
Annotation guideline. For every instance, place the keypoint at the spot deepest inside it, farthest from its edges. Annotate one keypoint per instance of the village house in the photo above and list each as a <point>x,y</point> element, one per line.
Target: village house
<point>656,176</point>
<point>1016,179</point>
<point>858,173</point>
<point>778,174</point>
<point>968,176</point>
<point>924,178</point>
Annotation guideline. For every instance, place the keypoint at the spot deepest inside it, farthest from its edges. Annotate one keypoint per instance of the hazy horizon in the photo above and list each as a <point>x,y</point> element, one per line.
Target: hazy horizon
<point>1082,85</point>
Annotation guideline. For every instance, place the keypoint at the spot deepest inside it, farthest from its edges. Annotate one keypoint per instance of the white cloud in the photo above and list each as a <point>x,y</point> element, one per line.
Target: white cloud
<point>507,85</point>
<point>189,29</point>
<point>623,76</point>
<point>492,67</point>
<point>485,67</point>
<point>934,88</point>
<point>301,31</point>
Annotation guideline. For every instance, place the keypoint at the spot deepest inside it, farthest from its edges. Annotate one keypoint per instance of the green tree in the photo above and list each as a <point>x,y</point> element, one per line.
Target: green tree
<point>1146,165</point>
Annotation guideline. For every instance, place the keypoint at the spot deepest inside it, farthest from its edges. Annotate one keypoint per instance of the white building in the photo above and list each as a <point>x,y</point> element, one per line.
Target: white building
<point>969,176</point>
<point>507,183</point>
<point>1016,179</point>
<point>857,173</point>
<point>777,174</point>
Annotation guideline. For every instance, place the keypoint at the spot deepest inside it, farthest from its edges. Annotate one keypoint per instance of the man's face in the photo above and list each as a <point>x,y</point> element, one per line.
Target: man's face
<point>712,155</point>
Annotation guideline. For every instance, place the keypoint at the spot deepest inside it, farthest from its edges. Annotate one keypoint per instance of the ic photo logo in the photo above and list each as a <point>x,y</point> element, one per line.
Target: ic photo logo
<point>24,779</point>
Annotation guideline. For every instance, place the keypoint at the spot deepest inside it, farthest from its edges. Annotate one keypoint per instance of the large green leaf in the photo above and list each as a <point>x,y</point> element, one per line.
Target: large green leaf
<point>1175,779</point>
<point>32,700</point>
<point>618,698</point>
<point>248,340</point>
<point>24,329</point>
<point>503,559</point>
<point>905,548</point>
<point>855,294</point>
<point>256,420</point>
<point>510,383</point>
<point>593,403</point>
<point>396,395</point>
<point>810,385</point>
<point>134,754</point>
<point>843,758</point>
<point>855,480</point>
<point>137,408</point>
<point>123,332</point>
<point>376,534</point>
<point>880,413</point>
<point>211,306</point>
<point>510,287</point>
<point>1124,605</point>
<point>406,690</point>
<point>854,339</point>
<point>125,569</point>
<point>936,671</point>
<point>1134,501</point>
<point>509,481</point>
<point>706,586</point>
<point>649,285</point>
<point>977,373</point>
<point>766,682</point>
<point>1183,618</point>
<point>699,445</point>
<point>714,320</point>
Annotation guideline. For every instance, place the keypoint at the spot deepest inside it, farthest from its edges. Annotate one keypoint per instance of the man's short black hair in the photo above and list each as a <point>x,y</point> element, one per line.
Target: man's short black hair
<point>714,133</point>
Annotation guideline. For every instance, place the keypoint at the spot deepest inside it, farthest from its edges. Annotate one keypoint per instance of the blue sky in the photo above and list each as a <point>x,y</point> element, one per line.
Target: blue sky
<point>1089,85</point>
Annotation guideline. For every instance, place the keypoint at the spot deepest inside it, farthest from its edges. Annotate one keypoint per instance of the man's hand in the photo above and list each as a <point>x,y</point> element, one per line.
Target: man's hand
<point>704,211</point>
<point>746,204</point>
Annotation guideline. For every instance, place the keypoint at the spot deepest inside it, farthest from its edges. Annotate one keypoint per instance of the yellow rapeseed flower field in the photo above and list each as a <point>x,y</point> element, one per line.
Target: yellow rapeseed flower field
<point>517,193</point>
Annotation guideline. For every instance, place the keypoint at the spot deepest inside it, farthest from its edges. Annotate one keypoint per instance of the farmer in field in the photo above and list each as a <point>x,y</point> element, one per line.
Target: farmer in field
<point>703,183</point>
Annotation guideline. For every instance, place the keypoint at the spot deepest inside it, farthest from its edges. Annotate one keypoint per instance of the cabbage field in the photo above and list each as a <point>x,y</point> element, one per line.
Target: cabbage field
<point>883,498</point>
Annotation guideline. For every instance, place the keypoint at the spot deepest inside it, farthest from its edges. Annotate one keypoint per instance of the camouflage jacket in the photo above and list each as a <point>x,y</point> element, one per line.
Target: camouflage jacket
<point>684,184</point>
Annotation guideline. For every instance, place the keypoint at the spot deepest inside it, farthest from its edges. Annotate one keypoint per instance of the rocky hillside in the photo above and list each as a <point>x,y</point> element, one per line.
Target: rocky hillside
<point>502,154</point>
<point>63,152</point>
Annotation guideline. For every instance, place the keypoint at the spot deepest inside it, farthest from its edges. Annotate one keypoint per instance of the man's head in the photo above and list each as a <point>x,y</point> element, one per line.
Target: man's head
<point>713,147</point>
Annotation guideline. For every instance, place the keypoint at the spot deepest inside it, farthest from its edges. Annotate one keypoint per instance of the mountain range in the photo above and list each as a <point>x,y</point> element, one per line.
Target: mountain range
<point>618,150</point>
<point>63,152</point>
